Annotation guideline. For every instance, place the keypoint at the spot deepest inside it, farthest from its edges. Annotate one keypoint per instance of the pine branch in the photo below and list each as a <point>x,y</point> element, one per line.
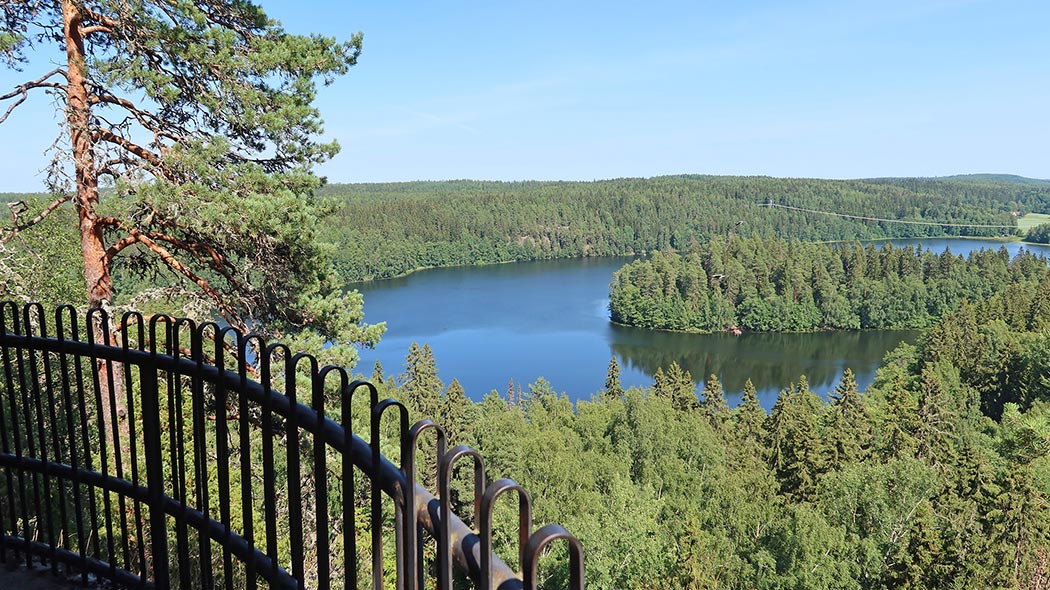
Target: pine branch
<point>137,236</point>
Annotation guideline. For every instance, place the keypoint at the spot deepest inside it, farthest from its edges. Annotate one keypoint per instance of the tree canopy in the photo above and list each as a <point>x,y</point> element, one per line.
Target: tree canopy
<point>186,148</point>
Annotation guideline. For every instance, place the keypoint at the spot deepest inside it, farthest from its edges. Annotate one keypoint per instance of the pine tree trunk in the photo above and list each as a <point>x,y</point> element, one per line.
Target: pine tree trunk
<point>78,112</point>
<point>97,275</point>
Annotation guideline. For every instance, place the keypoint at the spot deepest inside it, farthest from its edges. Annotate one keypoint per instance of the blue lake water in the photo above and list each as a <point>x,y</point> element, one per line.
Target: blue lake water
<point>489,325</point>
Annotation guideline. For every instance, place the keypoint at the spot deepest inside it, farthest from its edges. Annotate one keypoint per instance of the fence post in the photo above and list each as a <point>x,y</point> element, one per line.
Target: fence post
<point>151,433</point>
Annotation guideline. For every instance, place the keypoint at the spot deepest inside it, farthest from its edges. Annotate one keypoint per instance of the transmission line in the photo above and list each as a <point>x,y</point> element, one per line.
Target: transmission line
<point>883,219</point>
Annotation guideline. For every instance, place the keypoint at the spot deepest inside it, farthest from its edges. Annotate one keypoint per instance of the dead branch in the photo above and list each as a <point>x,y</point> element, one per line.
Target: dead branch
<point>22,91</point>
<point>130,146</point>
<point>85,31</point>
<point>108,22</point>
<point>16,227</point>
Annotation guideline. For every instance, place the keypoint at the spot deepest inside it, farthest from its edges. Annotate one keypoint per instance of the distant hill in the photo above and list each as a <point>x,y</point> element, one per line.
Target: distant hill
<point>1013,178</point>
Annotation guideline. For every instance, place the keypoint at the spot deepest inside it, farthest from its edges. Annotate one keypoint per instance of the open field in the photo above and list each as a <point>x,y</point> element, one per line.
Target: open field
<point>1031,220</point>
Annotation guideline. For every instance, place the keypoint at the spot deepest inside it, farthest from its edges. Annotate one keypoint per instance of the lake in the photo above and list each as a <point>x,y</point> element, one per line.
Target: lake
<point>489,325</point>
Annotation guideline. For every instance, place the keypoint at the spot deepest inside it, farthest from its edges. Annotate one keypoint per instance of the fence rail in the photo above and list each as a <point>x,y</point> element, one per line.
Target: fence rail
<point>191,456</point>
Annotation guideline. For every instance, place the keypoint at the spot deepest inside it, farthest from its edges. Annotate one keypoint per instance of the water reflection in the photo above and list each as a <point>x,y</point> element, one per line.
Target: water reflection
<point>771,361</point>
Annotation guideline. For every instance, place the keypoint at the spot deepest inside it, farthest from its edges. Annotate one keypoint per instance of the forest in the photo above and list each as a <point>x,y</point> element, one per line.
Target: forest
<point>768,285</point>
<point>937,476</point>
<point>386,230</point>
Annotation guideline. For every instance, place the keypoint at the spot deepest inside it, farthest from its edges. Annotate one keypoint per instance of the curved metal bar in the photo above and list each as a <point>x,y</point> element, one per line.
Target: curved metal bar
<point>321,474</point>
<point>4,306</point>
<point>413,540</point>
<point>446,463</point>
<point>488,502</point>
<point>534,548</point>
<point>71,311</point>
<point>349,511</point>
<point>391,478</point>
<point>102,316</point>
<point>41,318</point>
<point>82,562</point>
<point>400,505</point>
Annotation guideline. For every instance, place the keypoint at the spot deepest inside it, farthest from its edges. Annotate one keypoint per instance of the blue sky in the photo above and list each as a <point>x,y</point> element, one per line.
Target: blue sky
<point>585,90</point>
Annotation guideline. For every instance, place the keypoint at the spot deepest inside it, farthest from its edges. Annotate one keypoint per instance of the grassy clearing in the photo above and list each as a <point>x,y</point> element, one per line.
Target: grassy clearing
<point>1031,220</point>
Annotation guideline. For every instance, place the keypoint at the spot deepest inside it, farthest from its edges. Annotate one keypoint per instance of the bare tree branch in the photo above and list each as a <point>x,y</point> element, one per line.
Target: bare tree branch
<point>85,31</point>
<point>22,91</point>
<point>149,156</point>
<point>16,227</point>
<point>108,22</point>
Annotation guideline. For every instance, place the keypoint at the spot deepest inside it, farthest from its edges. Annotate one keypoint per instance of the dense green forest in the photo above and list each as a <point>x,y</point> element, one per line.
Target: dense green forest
<point>1039,234</point>
<point>769,285</point>
<point>384,230</point>
<point>936,477</point>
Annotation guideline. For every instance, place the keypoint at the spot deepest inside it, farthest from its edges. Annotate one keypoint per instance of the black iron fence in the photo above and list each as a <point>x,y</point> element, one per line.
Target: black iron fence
<point>160,453</point>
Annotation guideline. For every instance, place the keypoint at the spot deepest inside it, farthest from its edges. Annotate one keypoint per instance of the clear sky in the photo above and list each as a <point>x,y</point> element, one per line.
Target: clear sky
<point>514,90</point>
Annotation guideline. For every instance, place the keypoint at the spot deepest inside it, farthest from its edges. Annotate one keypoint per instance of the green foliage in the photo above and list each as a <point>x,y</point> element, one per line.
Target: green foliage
<point>1039,234</point>
<point>386,230</point>
<point>420,382</point>
<point>767,285</point>
<point>196,119</point>
<point>45,265</point>
<point>613,388</point>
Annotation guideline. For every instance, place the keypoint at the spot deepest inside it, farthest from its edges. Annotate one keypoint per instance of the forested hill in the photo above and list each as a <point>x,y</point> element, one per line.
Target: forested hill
<point>383,230</point>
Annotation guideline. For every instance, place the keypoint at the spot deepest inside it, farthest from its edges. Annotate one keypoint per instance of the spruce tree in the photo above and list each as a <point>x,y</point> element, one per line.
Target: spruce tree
<point>848,430</point>
<point>613,387</point>
<point>454,406</point>
<point>796,449</point>
<point>377,373</point>
<point>936,433</point>
<point>714,403</point>
<point>749,418</point>
<point>661,386</point>
<point>681,390</point>
<point>902,420</point>
<point>420,381</point>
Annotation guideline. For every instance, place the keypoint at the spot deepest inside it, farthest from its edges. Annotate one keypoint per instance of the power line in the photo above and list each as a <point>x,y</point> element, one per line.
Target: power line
<point>883,219</point>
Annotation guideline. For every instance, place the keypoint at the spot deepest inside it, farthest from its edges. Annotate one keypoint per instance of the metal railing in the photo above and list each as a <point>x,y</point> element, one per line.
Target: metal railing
<point>191,456</point>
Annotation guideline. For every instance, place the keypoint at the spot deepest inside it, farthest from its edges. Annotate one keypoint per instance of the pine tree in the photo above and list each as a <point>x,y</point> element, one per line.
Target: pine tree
<point>198,115</point>
<point>613,388</point>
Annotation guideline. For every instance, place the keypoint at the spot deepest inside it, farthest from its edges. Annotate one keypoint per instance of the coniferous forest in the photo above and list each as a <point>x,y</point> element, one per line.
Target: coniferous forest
<point>776,286</point>
<point>937,476</point>
<point>385,230</point>
<point>181,176</point>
